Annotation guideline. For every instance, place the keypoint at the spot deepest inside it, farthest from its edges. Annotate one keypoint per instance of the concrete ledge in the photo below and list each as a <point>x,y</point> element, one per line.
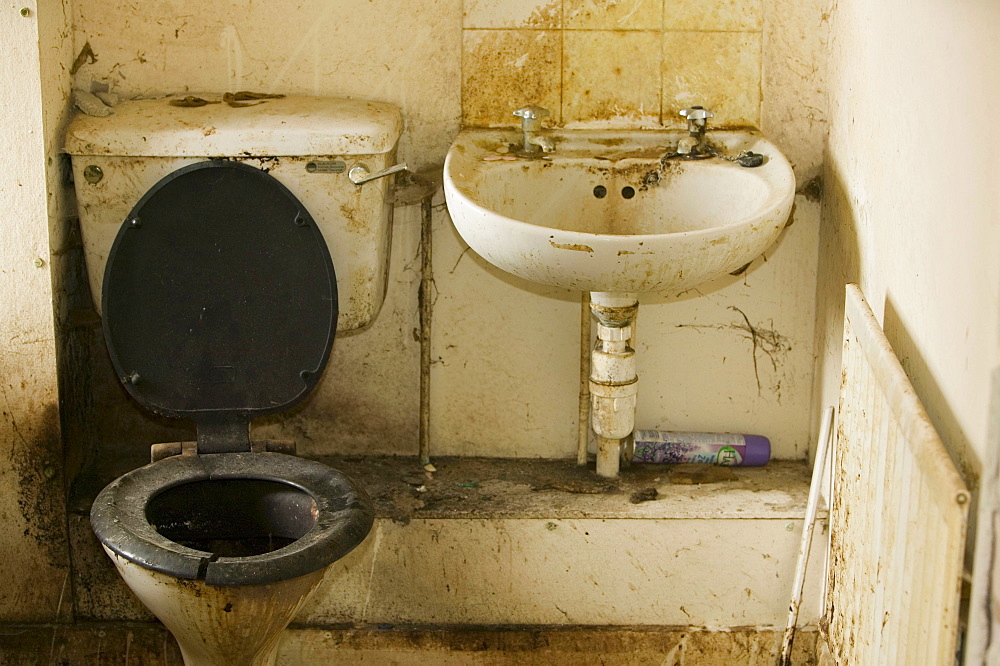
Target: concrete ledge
<point>710,573</point>
<point>541,542</point>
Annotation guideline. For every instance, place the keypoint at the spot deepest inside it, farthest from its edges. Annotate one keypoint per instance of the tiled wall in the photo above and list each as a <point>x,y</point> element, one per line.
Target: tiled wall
<point>505,352</point>
<point>632,63</point>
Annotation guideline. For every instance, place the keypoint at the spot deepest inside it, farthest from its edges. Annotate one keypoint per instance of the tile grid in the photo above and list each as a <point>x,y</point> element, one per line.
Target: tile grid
<point>713,55</point>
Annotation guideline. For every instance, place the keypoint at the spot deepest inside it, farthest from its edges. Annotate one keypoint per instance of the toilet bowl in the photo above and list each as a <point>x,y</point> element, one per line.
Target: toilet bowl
<point>225,548</point>
<point>220,303</point>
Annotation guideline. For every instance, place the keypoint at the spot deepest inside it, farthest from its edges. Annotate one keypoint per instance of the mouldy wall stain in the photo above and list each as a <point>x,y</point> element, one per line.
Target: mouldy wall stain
<point>34,461</point>
<point>32,500</point>
<point>34,572</point>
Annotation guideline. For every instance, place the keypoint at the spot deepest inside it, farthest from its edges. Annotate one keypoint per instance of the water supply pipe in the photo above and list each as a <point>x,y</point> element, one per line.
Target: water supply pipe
<point>583,423</point>
<point>805,544</point>
<point>412,189</point>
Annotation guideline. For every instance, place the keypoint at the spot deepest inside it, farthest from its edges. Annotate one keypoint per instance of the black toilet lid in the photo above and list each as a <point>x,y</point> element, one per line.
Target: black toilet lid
<point>219,298</point>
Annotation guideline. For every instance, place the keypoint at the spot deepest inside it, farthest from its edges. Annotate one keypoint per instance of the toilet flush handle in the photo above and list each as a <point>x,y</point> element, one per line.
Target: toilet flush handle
<point>360,174</point>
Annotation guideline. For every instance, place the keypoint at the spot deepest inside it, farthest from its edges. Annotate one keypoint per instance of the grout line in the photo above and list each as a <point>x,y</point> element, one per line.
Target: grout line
<point>663,23</point>
<point>550,29</point>
<point>562,62</point>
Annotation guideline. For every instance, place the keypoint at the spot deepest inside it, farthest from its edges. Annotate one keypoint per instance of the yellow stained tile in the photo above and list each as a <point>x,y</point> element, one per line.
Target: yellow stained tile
<point>506,69</point>
<point>718,70</point>
<point>512,14</point>
<point>613,14</point>
<point>730,15</point>
<point>611,75</point>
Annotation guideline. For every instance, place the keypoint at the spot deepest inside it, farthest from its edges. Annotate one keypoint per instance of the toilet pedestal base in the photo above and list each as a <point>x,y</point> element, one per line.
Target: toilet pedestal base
<point>220,626</point>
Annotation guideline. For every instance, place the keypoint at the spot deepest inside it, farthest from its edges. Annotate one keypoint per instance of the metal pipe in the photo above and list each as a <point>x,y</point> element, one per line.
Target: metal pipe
<point>583,427</point>
<point>410,190</point>
<point>819,466</point>
<point>426,285</point>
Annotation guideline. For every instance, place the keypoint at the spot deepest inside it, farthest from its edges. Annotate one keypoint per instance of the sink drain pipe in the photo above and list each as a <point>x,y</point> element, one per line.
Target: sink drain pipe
<point>614,383</point>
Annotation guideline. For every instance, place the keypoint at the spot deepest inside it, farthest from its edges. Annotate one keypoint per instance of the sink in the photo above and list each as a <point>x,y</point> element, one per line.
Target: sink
<point>602,214</point>
<point>590,217</point>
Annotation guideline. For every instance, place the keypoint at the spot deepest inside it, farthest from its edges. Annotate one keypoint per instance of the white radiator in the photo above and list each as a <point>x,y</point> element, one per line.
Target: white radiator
<point>898,515</point>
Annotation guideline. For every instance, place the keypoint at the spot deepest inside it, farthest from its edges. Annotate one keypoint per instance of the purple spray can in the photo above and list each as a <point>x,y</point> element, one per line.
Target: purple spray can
<point>731,449</point>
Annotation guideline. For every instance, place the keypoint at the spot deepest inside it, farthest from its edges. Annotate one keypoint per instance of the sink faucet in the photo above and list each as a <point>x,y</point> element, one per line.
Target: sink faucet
<point>693,146</point>
<point>531,122</point>
<point>697,119</point>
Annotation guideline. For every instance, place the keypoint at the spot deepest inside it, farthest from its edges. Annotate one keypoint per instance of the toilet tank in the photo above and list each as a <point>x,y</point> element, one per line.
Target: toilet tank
<point>307,143</point>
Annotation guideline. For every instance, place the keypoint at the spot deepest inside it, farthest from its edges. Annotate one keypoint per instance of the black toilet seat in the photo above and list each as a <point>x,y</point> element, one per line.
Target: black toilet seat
<point>343,517</point>
<point>219,300</point>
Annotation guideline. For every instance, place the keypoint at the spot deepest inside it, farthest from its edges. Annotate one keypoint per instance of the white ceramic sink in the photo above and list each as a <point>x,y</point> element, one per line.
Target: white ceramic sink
<point>540,218</point>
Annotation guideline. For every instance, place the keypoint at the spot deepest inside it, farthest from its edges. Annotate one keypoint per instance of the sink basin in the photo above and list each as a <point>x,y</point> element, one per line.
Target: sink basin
<point>589,216</point>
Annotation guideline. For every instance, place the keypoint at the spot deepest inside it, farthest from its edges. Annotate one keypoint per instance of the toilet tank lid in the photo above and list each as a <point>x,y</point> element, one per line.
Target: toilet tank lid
<point>292,125</point>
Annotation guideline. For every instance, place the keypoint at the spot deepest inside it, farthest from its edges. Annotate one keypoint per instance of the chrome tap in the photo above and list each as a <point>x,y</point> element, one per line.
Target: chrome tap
<point>694,147</point>
<point>697,119</point>
<point>531,123</point>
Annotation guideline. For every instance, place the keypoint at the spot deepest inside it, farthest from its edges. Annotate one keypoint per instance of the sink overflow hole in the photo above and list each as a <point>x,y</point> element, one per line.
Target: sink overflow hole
<point>628,192</point>
<point>600,191</point>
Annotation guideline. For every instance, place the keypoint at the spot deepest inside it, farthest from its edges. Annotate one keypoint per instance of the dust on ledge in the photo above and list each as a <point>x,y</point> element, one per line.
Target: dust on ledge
<point>465,487</point>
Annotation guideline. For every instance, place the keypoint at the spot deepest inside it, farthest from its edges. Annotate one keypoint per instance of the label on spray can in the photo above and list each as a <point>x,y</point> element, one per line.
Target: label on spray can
<point>730,449</point>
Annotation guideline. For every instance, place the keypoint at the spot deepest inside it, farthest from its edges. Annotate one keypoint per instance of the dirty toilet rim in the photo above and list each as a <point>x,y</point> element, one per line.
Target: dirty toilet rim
<point>345,516</point>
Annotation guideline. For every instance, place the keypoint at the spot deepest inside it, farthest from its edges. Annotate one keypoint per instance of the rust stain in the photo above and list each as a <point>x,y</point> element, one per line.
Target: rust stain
<point>355,222</point>
<point>571,246</point>
<point>546,16</point>
<point>608,141</point>
<point>501,73</point>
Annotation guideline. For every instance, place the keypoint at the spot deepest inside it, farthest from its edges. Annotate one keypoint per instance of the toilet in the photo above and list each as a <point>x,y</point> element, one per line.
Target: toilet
<point>225,248</point>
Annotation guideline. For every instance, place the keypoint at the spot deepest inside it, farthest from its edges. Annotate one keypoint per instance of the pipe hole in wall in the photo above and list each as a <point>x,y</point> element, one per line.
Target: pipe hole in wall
<point>600,191</point>
<point>628,192</point>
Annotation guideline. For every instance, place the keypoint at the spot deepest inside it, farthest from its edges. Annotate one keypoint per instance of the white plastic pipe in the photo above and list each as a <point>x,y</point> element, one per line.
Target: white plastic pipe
<point>819,466</point>
<point>613,379</point>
